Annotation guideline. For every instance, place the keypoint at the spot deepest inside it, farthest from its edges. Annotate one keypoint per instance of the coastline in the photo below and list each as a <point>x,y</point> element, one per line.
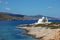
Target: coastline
<point>26,33</point>
<point>40,33</point>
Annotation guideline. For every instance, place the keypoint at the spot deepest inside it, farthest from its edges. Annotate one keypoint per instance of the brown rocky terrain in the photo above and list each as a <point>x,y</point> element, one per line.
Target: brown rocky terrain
<point>42,33</point>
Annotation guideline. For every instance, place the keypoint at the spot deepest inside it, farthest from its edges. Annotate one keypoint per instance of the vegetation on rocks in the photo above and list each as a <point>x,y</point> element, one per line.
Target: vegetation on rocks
<point>53,25</point>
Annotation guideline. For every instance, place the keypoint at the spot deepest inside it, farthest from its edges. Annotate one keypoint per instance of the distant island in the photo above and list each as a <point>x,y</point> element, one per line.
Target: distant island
<point>10,16</point>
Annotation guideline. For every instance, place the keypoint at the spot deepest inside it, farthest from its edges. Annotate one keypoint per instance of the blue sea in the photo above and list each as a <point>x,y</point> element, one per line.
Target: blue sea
<point>8,30</point>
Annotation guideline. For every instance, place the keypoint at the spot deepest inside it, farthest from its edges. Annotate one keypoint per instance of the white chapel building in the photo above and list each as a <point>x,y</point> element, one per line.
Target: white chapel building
<point>43,20</point>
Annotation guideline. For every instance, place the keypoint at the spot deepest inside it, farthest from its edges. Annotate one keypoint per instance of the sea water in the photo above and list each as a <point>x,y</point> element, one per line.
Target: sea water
<point>8,30</point>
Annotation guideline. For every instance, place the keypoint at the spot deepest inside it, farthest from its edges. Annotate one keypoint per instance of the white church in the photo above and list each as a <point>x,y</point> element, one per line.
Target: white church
<point>43,20</point>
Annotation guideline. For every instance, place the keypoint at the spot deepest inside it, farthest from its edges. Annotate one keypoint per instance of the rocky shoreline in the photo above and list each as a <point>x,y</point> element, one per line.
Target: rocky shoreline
<point>41,33</point>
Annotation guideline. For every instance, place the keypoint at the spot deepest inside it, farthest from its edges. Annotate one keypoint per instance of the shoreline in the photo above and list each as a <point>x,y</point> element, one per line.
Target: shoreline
<point>37,34</point>
<point>25,33</point>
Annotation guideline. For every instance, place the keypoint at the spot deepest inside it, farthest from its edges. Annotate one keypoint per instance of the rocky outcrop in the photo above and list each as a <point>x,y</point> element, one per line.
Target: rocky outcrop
<point>42,33</point>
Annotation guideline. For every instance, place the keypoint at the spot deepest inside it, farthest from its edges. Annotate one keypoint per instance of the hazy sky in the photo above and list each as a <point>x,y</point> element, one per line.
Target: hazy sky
<point>31,7</point>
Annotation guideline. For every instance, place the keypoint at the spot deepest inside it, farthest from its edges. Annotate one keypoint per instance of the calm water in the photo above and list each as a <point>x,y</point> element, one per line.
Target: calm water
<point>8,30</point>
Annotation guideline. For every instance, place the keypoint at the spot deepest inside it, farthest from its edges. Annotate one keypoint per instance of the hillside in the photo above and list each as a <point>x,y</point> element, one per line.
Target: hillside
<point>7,16</point>
<point>10,16</point>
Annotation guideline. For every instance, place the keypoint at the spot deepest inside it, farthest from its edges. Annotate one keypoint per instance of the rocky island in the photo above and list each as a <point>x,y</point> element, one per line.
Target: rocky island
<point>43,31</point>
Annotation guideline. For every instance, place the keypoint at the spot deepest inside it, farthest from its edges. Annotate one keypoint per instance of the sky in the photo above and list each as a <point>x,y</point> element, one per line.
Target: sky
<point>31,7</point>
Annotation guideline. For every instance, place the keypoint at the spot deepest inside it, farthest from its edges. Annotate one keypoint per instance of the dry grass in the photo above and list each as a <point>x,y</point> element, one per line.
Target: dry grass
<point>52,25</point>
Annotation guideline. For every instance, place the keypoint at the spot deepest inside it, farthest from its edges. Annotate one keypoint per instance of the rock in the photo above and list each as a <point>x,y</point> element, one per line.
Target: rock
<point>42,33</point>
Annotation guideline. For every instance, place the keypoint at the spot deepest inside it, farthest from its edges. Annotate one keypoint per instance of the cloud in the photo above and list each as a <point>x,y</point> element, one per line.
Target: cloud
<point>7,9</point>
<point>49,7</point>
<point>6,2</point>
<point>0,1</point>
